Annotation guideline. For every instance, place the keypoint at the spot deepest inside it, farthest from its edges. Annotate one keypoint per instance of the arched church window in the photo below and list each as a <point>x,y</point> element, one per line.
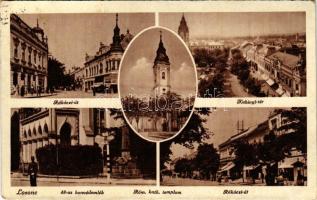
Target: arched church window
<point>163,75</point>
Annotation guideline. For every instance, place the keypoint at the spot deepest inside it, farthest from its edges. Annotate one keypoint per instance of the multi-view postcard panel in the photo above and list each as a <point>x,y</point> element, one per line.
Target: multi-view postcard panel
<point>238,146</point>
<point>249,54</point>
<point>81,62</point>
<point>80,146</point>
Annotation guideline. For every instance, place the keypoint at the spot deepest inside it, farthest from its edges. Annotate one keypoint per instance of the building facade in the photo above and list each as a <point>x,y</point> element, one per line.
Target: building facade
<point>28,58</point>
<point>284,74</point>
<point>101,70</point>
<point>292,165</point>
<point>39,127</point>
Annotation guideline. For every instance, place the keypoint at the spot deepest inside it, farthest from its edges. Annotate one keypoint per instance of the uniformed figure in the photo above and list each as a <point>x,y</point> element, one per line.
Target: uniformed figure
<point>32,172</point>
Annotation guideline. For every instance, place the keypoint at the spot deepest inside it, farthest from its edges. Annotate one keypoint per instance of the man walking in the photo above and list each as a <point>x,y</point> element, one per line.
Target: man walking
<point>33,172</point>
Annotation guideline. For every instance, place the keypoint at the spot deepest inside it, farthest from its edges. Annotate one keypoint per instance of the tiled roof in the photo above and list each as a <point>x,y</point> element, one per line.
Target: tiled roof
<point>286,59</point>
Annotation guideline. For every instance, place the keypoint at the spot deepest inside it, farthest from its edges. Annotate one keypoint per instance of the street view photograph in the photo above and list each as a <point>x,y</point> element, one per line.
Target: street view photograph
<point>78,147</point>
<point>156,100</point>
<point>238,146</point>
<point>70,55</point>
<point>245,54</point>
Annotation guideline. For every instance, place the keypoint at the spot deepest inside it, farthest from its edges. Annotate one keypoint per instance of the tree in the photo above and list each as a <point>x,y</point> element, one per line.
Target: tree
<point>184,166</point>
<point>245,155</point>
<point>207,160</point>
<point>55,71</point>
<point>194,132</point>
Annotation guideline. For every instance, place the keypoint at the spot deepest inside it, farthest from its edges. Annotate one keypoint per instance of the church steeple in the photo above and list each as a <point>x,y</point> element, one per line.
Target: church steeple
<point>116,39</point>
<point>161,52</point>
<point>183,30</point>
<point>161,71</point>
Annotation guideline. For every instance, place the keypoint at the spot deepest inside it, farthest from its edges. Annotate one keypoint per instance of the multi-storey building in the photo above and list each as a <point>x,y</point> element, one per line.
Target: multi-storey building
<point>101,70</point>
<point>255,135</point>
<point>284,73</point>
<point>28,58</point>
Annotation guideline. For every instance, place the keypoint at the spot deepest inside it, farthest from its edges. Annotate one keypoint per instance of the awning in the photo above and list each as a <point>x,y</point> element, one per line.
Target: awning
<point>289,162</point>
<point>270,82</point>
<point>98,84</point>
<point>227,167</point>
<point>279,91</point>
<point>251,167</point>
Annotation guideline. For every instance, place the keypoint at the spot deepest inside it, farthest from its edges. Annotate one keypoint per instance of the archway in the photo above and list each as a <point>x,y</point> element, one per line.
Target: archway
<point>65,134</point>
<point>15,141</point>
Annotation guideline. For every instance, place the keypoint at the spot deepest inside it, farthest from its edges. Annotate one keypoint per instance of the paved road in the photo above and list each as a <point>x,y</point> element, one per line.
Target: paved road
<point>167,181</point>
<point>80,182</point>
<point>80,94</point>
<point>233,88</point>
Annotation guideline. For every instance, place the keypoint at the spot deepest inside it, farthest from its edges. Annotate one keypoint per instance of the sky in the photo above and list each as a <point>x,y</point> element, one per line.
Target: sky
<point>136,73</point>
<point>70,36</point>
<point>221,24</point>
<point>222,123</point>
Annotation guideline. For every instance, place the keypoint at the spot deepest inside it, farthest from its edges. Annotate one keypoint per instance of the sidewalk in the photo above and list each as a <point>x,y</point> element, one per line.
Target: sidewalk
<point>81,180</point>
<point>34,95</point>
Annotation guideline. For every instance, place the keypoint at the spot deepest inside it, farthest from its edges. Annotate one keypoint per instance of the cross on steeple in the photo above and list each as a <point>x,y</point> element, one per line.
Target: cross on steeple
<point>37,22</point>
<point>116,18</point>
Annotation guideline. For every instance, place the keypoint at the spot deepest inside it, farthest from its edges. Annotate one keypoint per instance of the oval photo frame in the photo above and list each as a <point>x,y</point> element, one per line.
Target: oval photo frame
<point>157,84</point>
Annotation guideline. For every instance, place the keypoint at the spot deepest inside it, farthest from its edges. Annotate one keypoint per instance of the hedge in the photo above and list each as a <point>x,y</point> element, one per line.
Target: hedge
<point>72,160</point>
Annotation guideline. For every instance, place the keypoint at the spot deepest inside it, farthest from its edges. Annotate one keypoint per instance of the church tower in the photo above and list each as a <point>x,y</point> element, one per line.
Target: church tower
<point>161,70</point>
<point>116,39</point>
<point>183,30</point>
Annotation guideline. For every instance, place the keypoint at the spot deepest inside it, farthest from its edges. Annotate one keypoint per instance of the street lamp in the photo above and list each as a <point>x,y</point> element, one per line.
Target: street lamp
<point>107,138</point>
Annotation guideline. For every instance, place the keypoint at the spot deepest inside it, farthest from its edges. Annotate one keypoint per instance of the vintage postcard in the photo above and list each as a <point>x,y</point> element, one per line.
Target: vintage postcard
<point>158,100</point>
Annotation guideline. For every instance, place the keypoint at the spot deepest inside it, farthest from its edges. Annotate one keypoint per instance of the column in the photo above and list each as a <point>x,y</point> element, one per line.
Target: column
<point>34,147</point>
<point>45,83</point>
<point>36,80</point>
<point>39,143</point>
<point>24,149</point>
<point>26,86</point>
<point>29,151</point>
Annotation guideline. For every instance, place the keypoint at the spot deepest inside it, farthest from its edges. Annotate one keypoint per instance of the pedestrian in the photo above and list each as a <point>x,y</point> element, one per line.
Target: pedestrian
<point>32,171</point>
<point>93,91</point>
<point>22,91</point>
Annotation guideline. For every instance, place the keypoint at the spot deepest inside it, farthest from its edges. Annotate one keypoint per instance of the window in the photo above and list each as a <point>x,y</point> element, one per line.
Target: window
<point>15,51</point>
<point>113,65</point>
<point>101,68</point>
<point>163,75</point>
<point>35,57</point>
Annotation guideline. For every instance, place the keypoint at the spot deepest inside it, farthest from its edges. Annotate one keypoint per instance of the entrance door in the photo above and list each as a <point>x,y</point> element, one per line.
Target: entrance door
<point>15,141</point>
<point>65,134</point>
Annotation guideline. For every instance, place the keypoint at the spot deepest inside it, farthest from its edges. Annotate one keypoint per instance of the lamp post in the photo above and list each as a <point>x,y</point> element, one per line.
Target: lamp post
<point>107,138</point>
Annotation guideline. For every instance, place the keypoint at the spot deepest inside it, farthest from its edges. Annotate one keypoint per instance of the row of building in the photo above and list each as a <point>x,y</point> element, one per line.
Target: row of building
<point>28,58</point>
<point>284,74</point>
<point>255,135</point>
